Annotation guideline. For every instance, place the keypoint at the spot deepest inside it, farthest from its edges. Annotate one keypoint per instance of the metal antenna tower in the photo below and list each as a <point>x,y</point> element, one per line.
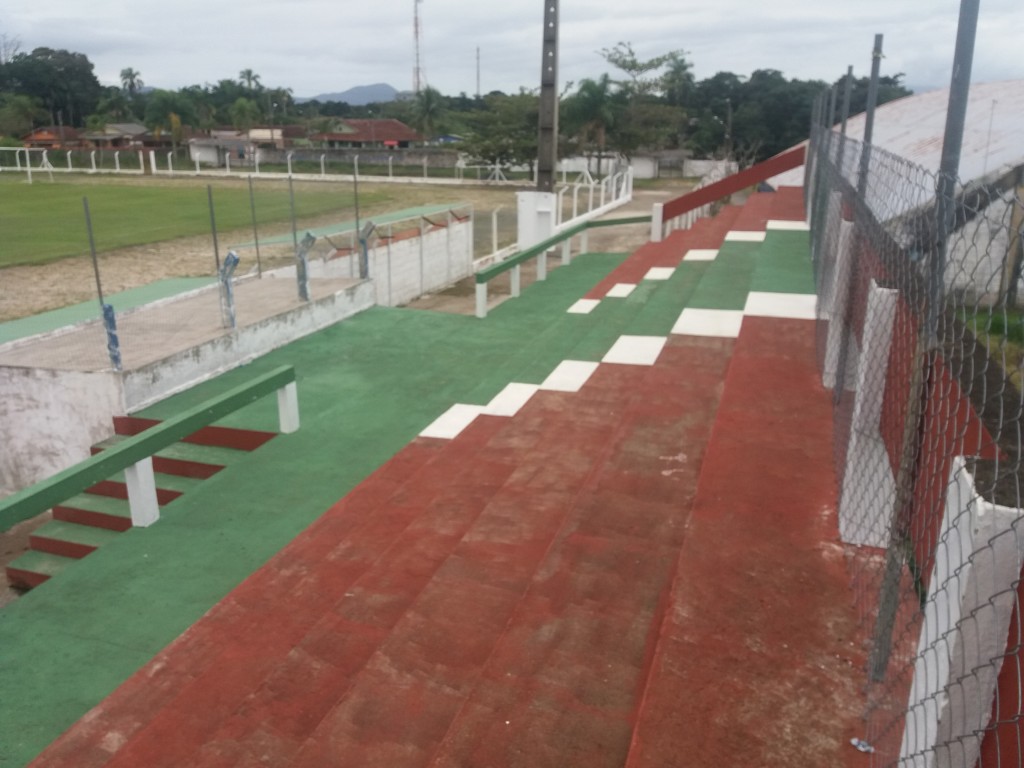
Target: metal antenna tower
<point>417,72</point>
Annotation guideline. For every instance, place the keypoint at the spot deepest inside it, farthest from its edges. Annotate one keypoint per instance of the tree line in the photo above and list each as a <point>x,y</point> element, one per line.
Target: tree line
<point>642,104</point>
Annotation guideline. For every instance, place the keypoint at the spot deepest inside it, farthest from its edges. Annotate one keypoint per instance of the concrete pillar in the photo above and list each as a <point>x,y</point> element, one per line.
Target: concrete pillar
<point>542,265</point>
<point>864,518</point>
<point>481,300</point>
<point>288,408</point>
<point>142,493</point>
<point>963,637</point>
<point>536,217</point>
<point>657,222</point>
<point>567,252</point>
<point>515,279</point>
<point>834,297</point>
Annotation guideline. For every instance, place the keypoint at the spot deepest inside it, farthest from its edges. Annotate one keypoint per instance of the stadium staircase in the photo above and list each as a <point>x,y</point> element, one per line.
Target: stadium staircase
<point>89,520</point>
<point>529,592</point>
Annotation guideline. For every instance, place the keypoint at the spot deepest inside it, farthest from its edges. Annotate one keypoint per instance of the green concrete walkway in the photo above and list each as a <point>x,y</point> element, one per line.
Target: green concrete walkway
<point>45,322</point>
<point>366,388</point>
<point>344,227</point>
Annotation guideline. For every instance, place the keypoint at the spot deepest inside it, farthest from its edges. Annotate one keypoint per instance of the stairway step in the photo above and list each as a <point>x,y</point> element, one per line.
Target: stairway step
<point>223,437</point>
<point>99,511</point>
<point>33,568</point>
<point>59,537</point>
<point>168,487</point>
<point>184,459</point>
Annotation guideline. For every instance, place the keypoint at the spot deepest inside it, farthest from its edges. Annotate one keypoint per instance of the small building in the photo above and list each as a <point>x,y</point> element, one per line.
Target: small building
<point>218,152</point>
<point>53,137</point>
<point>364,133</point>
<point>118,136</point>
<point>277,136</point>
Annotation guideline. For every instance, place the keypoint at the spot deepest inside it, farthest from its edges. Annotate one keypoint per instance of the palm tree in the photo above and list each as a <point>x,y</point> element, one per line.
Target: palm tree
<point>244,114</point>
<point>249,79</point>
<point>593,108</point>
<point>131,80</point>
<point>427,110</point>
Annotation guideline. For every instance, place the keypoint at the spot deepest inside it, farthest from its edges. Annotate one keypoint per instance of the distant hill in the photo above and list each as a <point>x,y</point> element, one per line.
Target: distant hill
<point>360,95</point>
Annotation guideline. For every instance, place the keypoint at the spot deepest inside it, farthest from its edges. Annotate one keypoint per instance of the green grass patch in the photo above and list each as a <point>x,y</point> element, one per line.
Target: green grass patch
<point>45,221</point>
<point>1002,332</point>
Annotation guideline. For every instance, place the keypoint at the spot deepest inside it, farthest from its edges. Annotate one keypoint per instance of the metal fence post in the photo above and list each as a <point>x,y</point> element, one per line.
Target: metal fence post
<point>869,117</point>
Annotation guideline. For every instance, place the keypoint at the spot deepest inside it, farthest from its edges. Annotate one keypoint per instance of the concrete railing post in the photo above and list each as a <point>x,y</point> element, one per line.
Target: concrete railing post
<point>481,300</point>
<point>288,408</point>
<point>142,500</point>
<point>657,222</point>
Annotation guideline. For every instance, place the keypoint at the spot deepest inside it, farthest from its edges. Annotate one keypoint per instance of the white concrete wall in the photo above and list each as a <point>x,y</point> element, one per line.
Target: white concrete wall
<point>446,255</point>
<point>49,419</point>
<point>185,369</point>
<point>869,487</point>
<point>971,597</point>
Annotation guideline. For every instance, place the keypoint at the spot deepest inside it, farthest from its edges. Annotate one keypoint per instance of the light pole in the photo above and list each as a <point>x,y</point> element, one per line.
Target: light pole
<point>273,108</point>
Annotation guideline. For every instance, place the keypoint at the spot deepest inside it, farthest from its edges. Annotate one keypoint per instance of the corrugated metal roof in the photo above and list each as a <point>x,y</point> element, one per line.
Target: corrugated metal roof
<point>913,128</point>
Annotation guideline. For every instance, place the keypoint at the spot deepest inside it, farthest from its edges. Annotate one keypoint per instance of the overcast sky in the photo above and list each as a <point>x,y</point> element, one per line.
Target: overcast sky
<point>318,46</point>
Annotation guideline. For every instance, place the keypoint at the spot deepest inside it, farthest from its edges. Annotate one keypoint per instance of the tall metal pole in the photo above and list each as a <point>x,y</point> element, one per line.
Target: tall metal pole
<point>952,145</point>
<point>869,117</point>
<point>847,92</point>
<point>927,341</point>
<point>547,144</point>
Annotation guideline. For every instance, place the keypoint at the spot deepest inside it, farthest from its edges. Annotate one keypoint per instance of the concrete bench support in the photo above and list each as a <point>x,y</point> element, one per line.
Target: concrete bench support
<point>288,408</point>
<point>142,493</point>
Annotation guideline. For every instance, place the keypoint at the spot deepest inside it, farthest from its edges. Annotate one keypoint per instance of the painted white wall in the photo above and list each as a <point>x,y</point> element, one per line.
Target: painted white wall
<point>869,487</point>
<point>49,420</point>
<point>404,269</point>
<point>963,636</point>
<point>180,371</point>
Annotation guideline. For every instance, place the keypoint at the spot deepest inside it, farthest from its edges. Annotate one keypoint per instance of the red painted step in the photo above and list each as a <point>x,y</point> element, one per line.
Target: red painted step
<point>223,437</point>
<point>706,233</point>
<point>118,490</point>
<point>397,612</point>
<point>755,213</point>
<point>560,686</point>
<point>91,517</point>
<point>754,659</point>
<point>789,205</point>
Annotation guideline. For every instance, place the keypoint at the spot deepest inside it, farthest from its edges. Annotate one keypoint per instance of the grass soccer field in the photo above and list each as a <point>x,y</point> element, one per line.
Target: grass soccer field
<point>45,221</point>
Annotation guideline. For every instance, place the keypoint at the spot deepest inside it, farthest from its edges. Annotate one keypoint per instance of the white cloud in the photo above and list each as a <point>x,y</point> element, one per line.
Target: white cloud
<point>315,46</point>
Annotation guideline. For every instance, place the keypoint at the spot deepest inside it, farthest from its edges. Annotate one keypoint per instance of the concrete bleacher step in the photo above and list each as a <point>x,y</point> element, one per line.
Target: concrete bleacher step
<point>33,568</point>
<point>88,520</point>
<point>67,539</point>
<point>91,509</point>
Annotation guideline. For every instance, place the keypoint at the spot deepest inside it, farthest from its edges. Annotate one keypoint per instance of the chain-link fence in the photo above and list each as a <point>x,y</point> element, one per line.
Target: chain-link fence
<point>921,337</point>
<point>175,267</point>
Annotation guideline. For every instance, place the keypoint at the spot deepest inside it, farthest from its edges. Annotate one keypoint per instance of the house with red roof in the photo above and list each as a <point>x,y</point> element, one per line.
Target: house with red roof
<point>363,133</point>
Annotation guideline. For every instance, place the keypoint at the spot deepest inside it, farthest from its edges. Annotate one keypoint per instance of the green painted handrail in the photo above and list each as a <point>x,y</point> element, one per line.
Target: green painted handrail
<point>37,498</point>
<point>489,273</point>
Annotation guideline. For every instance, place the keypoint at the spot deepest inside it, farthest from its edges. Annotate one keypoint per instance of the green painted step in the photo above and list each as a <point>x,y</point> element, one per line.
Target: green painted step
<point>205,454</point>
<point>70,539</point>
<point>728,278</point>
<point>42,564</point>
<point>168,482</point>
<point>108,505</point>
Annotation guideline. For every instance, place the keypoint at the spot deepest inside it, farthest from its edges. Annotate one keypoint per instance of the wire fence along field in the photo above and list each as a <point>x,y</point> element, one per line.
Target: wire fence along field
<point>921,336</point>
<point>202,247</point>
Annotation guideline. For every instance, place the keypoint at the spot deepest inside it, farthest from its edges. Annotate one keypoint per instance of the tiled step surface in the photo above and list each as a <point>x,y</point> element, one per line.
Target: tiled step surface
<point>100,511</point>
<point>397,622</point>
<point>60,537</point>
<point>88,520</point>
<point>33,568</point>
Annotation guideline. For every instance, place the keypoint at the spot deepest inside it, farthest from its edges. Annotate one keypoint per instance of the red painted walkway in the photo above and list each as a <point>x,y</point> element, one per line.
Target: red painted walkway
<point>642,573</point>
